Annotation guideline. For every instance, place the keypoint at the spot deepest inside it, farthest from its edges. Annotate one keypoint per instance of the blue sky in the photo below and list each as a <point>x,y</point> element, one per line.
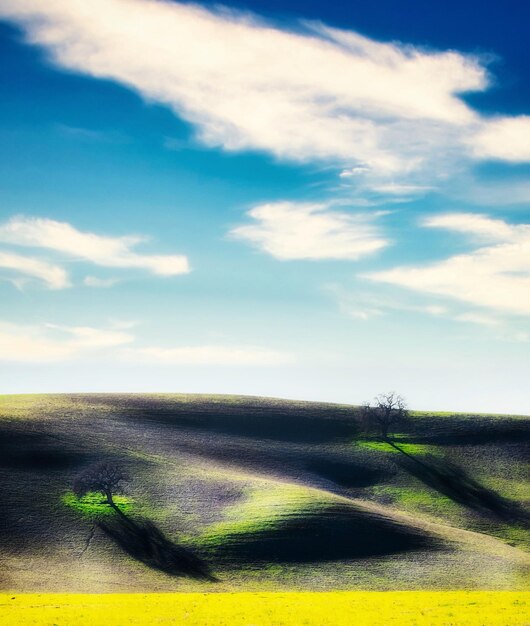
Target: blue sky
<point>309,200</point>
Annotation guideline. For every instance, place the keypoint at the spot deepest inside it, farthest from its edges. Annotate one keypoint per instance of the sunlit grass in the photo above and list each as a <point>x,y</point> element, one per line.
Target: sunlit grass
<point>268,609</point>
<point>408,495</point>
<point>262,508</point>
<point>418,500</point>
<point>513,487</point>
<point>408,448</point>
<point>93,505</point>
<point>24,405</point>
<point>35,406</point>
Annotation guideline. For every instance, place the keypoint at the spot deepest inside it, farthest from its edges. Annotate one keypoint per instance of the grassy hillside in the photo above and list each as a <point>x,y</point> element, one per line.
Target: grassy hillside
<point>259,494</point>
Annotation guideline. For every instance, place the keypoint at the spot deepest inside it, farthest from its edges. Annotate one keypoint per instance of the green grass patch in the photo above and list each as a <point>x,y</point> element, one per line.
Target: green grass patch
<point>92,504</point>
<point>515,535</point>
<point>39,405</point>
<point>514,488</point>
<point>407,448</point>
<point>417,500</point>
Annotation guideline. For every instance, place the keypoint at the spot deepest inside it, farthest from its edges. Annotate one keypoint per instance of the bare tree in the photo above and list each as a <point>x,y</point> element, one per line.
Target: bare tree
<point>104,478</point>
<point>385,412</point>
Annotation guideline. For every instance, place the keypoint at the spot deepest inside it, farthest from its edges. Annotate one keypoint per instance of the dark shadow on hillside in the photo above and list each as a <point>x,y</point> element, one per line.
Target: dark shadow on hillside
<point>35,451</point>
<point>454,482</point>
<point>145,542</point>
<point>346,473</point>
<point>302,423</point>
<point>469,430</point>
<point>42,460</point>
<point>333,534</point>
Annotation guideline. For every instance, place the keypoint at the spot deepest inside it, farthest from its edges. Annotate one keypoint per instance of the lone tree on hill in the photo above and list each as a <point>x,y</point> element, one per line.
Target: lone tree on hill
<point>104,478</point>
<point>385,412</point>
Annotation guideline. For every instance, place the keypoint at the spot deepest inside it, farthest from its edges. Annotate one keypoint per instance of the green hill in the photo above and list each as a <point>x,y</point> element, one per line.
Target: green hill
<point>265,494</point>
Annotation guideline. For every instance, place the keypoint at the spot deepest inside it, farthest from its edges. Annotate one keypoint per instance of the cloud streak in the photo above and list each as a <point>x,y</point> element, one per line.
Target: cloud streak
<point>210,355</point>
<point>95,281</point>
<point>105,251</point>
<point>49,343</point>
<point>52,343</point>
<point>54,276</point>
<point>362,305</point>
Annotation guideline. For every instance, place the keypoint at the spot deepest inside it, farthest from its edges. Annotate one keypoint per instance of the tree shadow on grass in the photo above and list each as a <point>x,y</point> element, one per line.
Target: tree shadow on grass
<point>454,482</point>
<point>145,542</point>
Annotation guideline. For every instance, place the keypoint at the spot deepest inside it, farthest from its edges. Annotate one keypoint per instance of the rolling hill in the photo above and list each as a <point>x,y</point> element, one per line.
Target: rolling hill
<point>239,493</point>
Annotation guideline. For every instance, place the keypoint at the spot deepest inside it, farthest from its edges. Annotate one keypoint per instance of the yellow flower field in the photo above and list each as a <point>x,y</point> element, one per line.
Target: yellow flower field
<point>474,608</point>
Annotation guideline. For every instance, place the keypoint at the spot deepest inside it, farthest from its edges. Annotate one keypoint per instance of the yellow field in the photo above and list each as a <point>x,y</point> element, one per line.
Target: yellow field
<point>474,608</point>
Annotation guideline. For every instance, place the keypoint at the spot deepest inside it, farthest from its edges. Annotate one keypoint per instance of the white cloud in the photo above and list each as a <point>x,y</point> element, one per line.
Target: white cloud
<point>210,355</point>
<point>504,138</point>
<point>105,251</point>
<point>480,226</point>
<point>54,276</point>
<point>51,343</point>
<point>354,171</point>
<point>496,275</point>
<point>289,230</point>
<point>312,92</point>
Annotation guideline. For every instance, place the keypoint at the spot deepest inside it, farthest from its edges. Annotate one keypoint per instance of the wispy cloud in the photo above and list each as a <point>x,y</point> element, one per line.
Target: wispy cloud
<point>90,135</point>
<point>496,275</point>
<point>101,250</point>
<point>209,355</point>
<point>54,276</point>
<point>366,305</point>
<point>477,318</point>
<point>95,281</point>
<point>507,192</point>
<point>290,230</point>
<point>50,343</point>
<point>63,238</point>
<point>306,93</point>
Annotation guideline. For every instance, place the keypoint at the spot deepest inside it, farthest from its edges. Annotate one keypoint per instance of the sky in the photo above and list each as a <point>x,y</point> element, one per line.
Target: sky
<point>308,200</point>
